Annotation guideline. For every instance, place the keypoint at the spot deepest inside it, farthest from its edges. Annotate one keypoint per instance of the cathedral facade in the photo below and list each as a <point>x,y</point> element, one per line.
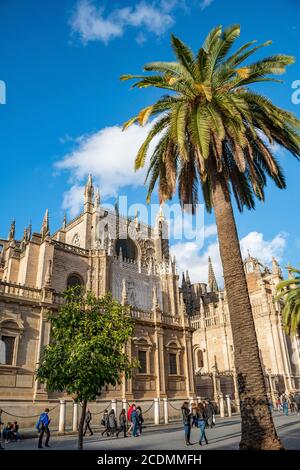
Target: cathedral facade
<point>101,251</point>
<point>212,337</point>
<point>182,334</point>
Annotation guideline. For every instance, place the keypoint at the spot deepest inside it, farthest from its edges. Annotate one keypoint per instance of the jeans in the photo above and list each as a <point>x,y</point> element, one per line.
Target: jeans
<point>285,408</point>
<point>201,425</point>
<point>135,428</point>
<point>187,432</point>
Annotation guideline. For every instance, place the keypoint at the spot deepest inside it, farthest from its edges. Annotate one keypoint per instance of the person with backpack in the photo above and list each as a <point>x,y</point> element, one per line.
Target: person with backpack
<point>88,419</point>
<point>43,427</point>
<point>104,422</point>
<point>122,423</point>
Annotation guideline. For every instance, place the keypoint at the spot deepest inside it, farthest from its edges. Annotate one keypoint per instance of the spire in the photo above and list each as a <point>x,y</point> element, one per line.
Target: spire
<point>124,292</point>
<point>183,280</point>
<point>212,282</point>
<point>12,230</point>
<point>88,193</point>
<point>45,225</point>
<point>64,224</point>
<point>29,231</point>
<point>275,267</point>
<point>187,277</point>
<point>97,199</point>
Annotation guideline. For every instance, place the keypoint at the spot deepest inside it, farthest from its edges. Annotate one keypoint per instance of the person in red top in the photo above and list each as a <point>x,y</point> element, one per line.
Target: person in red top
<point>130,409</point>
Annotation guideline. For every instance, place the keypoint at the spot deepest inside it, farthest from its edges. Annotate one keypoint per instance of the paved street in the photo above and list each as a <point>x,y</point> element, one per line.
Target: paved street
<point>225,435</point>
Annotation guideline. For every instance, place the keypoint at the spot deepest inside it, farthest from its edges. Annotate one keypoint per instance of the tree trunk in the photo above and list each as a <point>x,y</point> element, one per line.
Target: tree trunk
<point>81,424</point>
<point>258,430</point>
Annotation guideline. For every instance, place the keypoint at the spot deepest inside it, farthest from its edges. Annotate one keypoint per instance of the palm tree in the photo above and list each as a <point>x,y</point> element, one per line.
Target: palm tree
<point>289,293</point>
<point>213,132</point>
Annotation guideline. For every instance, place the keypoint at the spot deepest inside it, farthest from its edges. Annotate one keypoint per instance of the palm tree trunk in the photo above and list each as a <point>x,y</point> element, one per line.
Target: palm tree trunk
<point>81,424</point>
<point>258,430</point>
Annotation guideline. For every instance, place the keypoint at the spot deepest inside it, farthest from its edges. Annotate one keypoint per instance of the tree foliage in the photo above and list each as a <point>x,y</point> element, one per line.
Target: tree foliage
<point>289,294</point>
<point>211,121</point>
<point>86,351</point>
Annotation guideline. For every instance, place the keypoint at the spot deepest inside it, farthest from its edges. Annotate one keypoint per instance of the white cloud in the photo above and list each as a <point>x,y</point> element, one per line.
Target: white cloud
<point>205,3</point>
<point>263,249</point>
<point>90,23</point>
<point>188,255</point>
<point>109,155</point>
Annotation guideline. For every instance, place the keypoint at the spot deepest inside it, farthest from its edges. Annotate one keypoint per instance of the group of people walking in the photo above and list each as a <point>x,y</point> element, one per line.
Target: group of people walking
<point>200,415</point>
<point>288,403</point>
<point>129,423</point>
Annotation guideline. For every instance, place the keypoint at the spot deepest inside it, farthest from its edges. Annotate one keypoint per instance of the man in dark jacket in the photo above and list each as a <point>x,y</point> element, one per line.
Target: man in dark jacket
<point>88,419</point>
<point>210,412</point>
<point>186,419</point>
<point>43,427</point>
<point>297,401</point>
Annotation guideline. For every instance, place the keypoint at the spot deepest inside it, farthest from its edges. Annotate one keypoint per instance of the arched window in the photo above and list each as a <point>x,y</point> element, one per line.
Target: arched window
<point>10,333</point>
<point>129,250</point>
<point>200,360</point>
<point>74,280</point>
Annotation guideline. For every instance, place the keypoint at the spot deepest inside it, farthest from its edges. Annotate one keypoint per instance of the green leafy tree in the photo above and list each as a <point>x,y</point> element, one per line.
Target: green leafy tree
<point>289,293</point>
<point>88,338</point>
<point>214,132</point>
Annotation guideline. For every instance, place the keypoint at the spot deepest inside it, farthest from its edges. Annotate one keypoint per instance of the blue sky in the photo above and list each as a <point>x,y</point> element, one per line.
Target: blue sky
<point>61,62</point>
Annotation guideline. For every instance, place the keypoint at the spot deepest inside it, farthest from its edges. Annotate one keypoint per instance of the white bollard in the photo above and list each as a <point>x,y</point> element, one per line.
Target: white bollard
<point>75,416</point>
<point>114,405</point>
<point>228,402</point>
<point>124,404</point>
<point>166,411</point>
<point>198,399</point>
<point>221,405</point>
<point>62,417</point>
<point>156,411</point>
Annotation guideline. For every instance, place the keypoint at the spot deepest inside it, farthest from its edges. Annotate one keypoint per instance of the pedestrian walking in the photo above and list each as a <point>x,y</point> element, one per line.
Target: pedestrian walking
<point>140,419</point>
<point>202,420</point>
<point>87,425</point>
<point>7,432</point>
<point>297,401</point>
<point>112,422</point>
<point>122,423</point>
<point>210,411</point>
<point>194,415</point>
<point>43,427</point>
<point>135,421</point>
<point>130,409</point>
<point>104,422</point>
<point>186,419</point>
<point>285,405</point>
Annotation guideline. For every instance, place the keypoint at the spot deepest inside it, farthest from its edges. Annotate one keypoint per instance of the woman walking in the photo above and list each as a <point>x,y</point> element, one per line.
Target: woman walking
<point>140,419</point>
<point>202,419</point>
<point>112,422</point>
<point>104,422</point>
<point>122,423</point>
<point>186,419</point>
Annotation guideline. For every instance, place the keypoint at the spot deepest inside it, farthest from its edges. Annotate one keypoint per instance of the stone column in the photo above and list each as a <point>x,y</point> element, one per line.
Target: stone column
<point>114,405</point>
<point>214,380</point>
<point>228,402</point>
<point>221,405</point>
<point>156,411</point>
<point>166,411</point>
<point>62,417</point>
<point>75,416</point>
